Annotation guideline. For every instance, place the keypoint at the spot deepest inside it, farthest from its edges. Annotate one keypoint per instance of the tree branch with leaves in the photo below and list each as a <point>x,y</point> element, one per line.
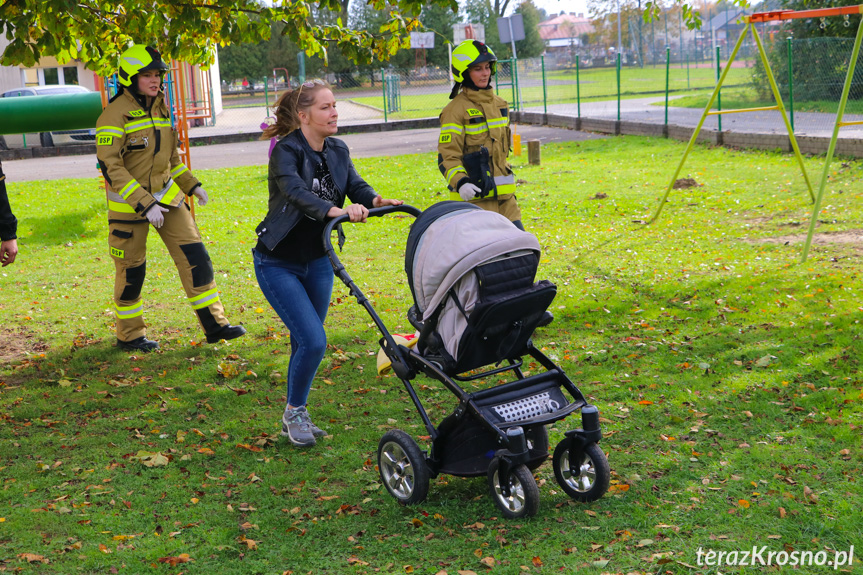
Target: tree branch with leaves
<point>97,31</point>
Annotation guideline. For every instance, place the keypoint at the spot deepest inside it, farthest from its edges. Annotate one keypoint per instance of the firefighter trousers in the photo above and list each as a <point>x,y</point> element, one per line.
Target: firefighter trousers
<point>128,246</point>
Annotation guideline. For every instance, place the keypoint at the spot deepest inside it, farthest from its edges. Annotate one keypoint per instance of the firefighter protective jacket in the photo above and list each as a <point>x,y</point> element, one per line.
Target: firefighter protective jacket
<point>475,118</point>
<point>137,152</point>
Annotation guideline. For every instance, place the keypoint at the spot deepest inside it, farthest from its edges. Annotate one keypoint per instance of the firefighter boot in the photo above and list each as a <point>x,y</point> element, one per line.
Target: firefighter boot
<point>226,332</point>
<point>141,344</point>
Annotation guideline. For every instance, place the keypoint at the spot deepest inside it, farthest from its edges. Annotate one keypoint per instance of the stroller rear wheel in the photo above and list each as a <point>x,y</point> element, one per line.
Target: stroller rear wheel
<point>402,467</point>
<point>589,480</point>
<point>521,499</point>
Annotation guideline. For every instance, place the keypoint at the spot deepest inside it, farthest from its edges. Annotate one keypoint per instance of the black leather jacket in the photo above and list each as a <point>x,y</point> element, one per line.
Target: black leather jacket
<point>292,168</point>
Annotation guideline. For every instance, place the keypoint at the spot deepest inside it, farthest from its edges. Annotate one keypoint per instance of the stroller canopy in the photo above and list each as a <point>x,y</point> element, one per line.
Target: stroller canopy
<point>450,239</point>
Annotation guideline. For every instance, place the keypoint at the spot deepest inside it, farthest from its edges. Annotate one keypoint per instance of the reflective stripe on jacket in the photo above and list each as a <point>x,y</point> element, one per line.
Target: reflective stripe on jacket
<point>475,118</point>
<point>137,152</point>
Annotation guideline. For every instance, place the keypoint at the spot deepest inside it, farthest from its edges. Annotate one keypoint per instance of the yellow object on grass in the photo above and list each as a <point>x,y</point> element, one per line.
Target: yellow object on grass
<point>405,339</point>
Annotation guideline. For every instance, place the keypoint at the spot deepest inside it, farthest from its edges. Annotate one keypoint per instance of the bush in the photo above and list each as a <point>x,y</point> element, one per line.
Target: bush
<point>819,67</point>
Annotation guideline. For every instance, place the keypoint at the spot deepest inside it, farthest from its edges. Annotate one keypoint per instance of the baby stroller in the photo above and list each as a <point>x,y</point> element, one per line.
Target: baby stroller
<point>476,306</point>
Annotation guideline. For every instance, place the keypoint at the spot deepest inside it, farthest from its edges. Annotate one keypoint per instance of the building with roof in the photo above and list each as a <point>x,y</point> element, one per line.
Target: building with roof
<point>564,31</point>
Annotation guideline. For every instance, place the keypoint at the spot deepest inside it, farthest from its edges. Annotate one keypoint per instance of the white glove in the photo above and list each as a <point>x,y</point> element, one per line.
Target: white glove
<point>202,196</point>
<point>468,191</point>
<point>156,215</point>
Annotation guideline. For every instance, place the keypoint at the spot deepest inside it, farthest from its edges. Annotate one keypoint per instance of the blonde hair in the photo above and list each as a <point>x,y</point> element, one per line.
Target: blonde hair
<point>287,108</point>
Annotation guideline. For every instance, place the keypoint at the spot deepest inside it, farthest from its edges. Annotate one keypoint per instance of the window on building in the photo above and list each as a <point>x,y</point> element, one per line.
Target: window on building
<point>51,76</point>
<point>30,76</point>
<point>70,75</point>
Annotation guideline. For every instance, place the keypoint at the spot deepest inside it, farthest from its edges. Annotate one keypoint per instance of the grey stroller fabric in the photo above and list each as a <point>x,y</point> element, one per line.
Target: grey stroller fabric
<point>448,251</point>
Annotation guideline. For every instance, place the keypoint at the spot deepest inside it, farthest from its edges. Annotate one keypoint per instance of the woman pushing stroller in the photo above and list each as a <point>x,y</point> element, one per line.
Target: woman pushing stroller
<point>310,175</point>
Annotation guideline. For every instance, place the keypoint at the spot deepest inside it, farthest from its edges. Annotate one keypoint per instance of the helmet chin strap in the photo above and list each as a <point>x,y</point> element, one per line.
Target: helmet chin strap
<point>467,83</point>
<point>455,89</point>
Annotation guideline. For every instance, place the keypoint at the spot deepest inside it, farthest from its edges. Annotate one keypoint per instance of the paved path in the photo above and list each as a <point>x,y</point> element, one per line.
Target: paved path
<point>255,153</point>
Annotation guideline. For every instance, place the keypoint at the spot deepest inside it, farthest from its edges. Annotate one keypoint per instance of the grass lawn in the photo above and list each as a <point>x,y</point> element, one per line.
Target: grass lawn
<point>747,97</point>
<point>561,87</point>
<point>727,375</point>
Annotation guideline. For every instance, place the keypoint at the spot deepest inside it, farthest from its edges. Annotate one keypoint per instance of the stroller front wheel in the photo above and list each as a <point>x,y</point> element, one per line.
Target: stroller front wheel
<point>521,499</point>
<point>402,467</point>
<point>583,478</point>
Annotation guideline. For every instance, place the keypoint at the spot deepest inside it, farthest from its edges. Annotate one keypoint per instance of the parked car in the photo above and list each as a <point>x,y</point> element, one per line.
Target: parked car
<point>48,139</point>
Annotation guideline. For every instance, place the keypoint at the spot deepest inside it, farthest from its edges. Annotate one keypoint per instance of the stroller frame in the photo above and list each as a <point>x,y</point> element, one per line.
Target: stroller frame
<point>498,430</point>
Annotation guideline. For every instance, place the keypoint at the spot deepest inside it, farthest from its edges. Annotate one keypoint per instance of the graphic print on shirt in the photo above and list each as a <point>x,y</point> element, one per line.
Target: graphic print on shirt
<point>323,185</point>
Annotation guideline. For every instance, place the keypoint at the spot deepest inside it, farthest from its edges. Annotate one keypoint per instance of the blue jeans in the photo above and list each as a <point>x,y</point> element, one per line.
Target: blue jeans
<point>300,294</point>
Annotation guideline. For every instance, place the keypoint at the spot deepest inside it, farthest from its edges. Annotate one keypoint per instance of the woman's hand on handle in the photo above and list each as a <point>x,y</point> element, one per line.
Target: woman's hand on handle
<point>380,202</point>
<point>355,212</point>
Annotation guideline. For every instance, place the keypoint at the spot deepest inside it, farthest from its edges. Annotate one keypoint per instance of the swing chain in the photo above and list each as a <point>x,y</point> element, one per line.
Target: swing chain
<point>823,24</point>
<point>847,22</point>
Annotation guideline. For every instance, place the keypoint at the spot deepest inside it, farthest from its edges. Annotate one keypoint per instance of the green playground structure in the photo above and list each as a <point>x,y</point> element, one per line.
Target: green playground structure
<point>49,113</point>
<point>750,21</point>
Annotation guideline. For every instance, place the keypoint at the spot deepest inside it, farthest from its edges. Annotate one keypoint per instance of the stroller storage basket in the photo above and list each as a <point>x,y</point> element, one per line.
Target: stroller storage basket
<point>535,400</point>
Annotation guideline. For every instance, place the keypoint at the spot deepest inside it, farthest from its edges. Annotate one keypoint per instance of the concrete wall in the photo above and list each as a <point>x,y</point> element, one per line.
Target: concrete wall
<point>10,76</point>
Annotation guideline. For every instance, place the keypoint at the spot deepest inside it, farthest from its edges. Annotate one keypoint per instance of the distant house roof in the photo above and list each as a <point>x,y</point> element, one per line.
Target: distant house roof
<point>564,26</point>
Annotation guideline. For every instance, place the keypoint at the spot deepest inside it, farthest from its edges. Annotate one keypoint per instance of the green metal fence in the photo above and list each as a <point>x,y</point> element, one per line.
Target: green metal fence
<point>672,87</point>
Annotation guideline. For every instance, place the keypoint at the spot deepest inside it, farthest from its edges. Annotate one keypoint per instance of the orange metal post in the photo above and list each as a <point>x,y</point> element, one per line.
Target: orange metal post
<point>177,71</point>
<point>797,15</point>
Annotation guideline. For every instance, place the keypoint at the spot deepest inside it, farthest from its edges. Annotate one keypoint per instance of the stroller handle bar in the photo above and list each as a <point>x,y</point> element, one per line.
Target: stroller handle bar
<point>373,213</point>
<point>338,268</point>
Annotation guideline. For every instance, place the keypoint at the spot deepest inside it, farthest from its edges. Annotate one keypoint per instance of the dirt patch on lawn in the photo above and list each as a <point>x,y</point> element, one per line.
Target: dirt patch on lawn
<point>685,183</point>
<point>15,344</point>
<point>851,237</point>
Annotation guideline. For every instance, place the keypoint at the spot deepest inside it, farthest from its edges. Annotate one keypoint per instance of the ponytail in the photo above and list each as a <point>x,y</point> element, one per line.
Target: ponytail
<point>287,108</point>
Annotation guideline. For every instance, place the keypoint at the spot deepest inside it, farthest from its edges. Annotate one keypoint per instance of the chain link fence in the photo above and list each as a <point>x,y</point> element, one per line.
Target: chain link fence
<point>671,86</point>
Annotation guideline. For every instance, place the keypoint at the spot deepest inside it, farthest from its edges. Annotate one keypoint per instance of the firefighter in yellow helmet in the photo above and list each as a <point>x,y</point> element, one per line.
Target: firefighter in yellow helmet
<point>147,184</point>
<point>475,135</point>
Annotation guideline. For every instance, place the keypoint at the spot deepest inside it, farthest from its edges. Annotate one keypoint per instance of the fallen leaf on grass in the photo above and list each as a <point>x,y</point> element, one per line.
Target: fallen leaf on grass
<point>174,561</point>
<point>487,561</point>
<point>151,459</point>
<point>743,503</point>
<point>32,558</point>
<point>618,487</point>
<point>206,451</point>
<point>253,448</point>
<point>250,543</point>
<point>228,370</point>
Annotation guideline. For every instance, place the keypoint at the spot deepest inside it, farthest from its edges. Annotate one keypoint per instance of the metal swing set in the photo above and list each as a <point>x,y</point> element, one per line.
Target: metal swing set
<point>750,21</point>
